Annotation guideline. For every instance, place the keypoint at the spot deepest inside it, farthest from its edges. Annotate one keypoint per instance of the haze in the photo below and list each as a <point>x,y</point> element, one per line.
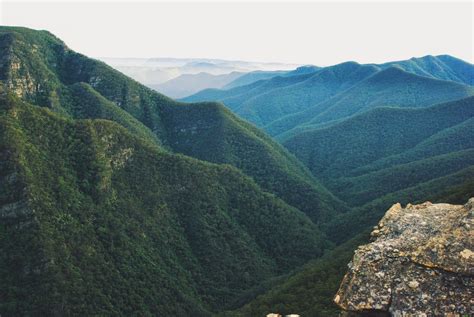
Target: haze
<point>305,33</point>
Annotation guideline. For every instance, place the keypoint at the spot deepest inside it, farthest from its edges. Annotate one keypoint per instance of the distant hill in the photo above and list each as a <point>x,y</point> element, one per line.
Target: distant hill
<point>235,97</point>
<point>391,86</point>
<point>251,78</point>
<point>155,71</point>
<point>149,75</point>
<point>385,150</point>
<point>443,67</point>
<point>291,104</point>
<point>295,97</point>
<point>187,84</point>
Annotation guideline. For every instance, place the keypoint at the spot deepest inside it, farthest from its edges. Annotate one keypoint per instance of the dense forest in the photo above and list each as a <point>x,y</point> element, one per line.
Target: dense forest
<point>117,200</point>
<point>97,158</point>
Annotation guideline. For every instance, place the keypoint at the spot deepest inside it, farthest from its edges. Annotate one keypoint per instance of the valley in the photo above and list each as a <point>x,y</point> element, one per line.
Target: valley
<point>247,195</point>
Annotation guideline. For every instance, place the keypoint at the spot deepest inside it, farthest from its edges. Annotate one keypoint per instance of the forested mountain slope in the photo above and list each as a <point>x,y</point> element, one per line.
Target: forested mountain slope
<point>387,153</point>
<point>274,104</point>
<point>268,100</point>
<point>235,97</point>
<point>334,92</point>
<point>91,214</point>
<point>307,292</point>
<point>390,87</point>
<point>377,134</point>
<point>120,200</point>
<point>443,67</point>
<point>101,215</point>
<point>42,70</point>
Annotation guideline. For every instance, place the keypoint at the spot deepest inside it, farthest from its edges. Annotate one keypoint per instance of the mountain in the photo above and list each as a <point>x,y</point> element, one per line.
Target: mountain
<point>59,69</point>
<point>381,134</point>
<point>251,77</point>
<point>431,150</point>
<point>119,200</point>
<point>188,84</point>
<point>95,215</point>
<point>283,109</point>
<point>311,290</point>
<point>302,70</point>
<point>154,71</point>
<point>443,67</point>
<point>149,76</point>
<point>386,155</point>
<point>101,213</point>
<point>192,130</point>
<point>390,87</point>
<point>235,97</point>
<point>282,101</point>
<point>390,136</point>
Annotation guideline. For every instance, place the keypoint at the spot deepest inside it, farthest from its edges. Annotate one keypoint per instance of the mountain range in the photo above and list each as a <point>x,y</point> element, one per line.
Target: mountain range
<point>101,208</point>
<point>118,200</point>
<point>286,105</point>
<point>188,84</point>
<point>194,73</point>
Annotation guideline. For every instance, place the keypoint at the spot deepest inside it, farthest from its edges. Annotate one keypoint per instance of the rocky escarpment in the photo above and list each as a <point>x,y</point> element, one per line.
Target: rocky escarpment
<point>420,263</point>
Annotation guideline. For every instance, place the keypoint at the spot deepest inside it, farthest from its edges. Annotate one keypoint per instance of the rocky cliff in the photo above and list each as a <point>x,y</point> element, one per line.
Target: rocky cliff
<point>420,263</point>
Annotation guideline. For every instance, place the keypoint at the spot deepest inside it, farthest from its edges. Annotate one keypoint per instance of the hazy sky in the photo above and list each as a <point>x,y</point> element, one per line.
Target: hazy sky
<point>321,33</point>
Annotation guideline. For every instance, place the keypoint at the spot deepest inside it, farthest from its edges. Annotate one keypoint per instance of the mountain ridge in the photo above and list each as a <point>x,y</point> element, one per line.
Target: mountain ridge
<point>111,217</point>
<point>150,108</point>
<point>300,106</point>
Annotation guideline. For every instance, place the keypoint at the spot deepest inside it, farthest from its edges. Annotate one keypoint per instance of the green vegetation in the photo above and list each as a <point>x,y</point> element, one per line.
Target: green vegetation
<point>277,103</point>
<point>234,98</point>
<point>453,188</point>
<point>391,155</point>
<point>268,100</point>
<point>390,87</point>
<point>310,290</point>
<point>84,88</point>
<point>117,200</point>
<point>288,105</point>
<point>100,217</point>
<point>105,223</point>
<point>223,138</point>
<point>443,67</point>
<point>367,187</point>
<point>336,150</point>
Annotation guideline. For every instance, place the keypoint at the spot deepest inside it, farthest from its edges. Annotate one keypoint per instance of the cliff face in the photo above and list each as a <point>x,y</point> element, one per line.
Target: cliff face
<point>420,263</point>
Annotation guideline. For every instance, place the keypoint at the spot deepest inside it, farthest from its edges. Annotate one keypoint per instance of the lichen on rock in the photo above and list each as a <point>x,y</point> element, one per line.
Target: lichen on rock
<point>420,263</point>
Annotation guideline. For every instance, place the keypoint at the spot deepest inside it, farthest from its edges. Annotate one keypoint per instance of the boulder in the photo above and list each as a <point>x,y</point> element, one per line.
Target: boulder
<point>420,263</point>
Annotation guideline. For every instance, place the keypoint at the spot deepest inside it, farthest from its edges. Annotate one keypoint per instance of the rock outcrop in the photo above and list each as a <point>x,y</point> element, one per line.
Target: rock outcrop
<point>420,263</point>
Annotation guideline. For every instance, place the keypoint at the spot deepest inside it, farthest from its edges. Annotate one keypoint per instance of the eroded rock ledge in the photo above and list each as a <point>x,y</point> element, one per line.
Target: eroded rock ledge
<point>420,263</point>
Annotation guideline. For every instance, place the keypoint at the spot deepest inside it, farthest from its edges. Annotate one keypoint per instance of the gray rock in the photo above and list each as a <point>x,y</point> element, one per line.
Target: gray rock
<point>421,263</point>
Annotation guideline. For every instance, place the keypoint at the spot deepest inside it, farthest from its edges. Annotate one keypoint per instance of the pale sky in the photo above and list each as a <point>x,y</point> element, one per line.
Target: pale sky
<point>320,33</point>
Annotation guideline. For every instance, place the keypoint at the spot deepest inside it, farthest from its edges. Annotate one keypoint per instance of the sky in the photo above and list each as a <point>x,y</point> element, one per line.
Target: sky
<point>308,32</point>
